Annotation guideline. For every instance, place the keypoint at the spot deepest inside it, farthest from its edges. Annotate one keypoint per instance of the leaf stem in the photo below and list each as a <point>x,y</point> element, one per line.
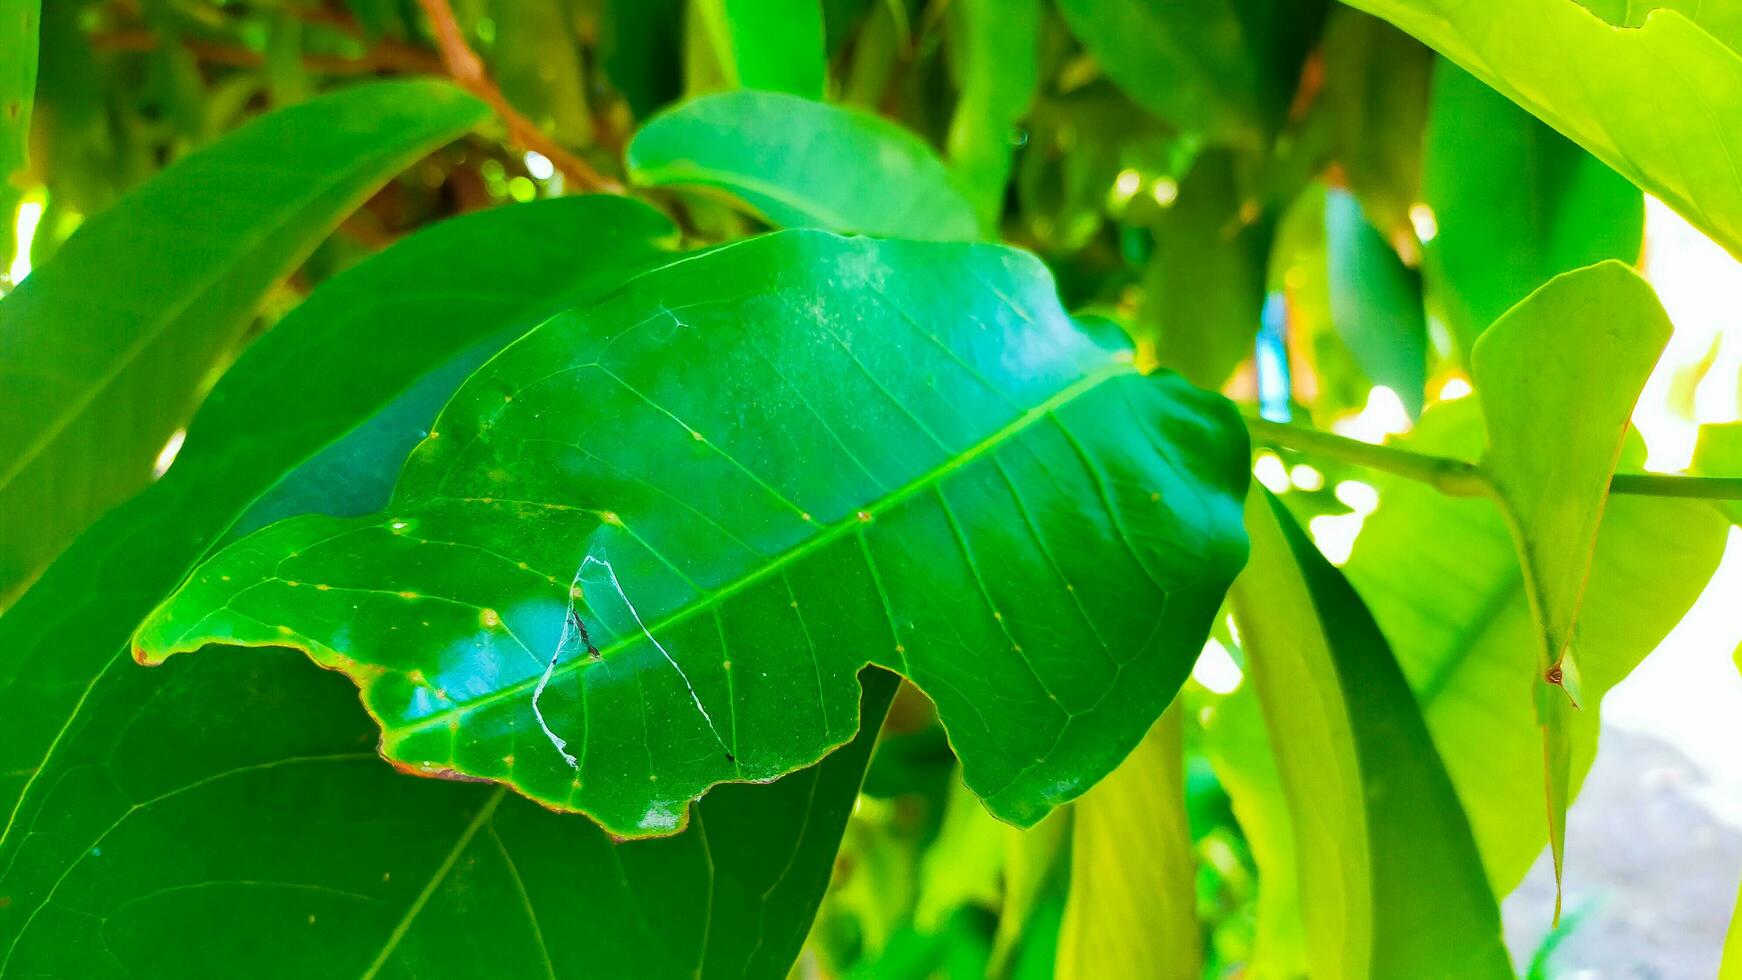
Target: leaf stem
<point>466,68</point>
<point>1459,478</point>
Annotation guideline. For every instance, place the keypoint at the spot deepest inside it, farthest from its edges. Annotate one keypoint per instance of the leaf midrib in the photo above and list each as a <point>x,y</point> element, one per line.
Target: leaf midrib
<point>849,525</point>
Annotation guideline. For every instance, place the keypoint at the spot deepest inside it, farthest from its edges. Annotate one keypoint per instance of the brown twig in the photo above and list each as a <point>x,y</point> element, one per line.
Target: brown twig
<point>467,69</point>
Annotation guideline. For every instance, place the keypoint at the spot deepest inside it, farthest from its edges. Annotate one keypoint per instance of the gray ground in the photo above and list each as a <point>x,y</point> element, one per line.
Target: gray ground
<point>1651,873</point>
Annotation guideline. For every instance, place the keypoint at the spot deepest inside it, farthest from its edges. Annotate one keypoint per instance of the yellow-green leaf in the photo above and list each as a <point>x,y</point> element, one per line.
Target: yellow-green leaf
<point>1132,910</point>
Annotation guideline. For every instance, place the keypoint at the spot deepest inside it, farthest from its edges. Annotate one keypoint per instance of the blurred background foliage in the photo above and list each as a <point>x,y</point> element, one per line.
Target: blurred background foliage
<point>1289,200</point>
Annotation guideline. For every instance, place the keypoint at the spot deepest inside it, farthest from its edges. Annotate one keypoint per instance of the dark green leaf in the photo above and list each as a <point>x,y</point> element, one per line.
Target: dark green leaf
<point>1391,884</point>
<point>1226,69</point>
<point>1376,87</point>
<point>803,164</point>
<point>106,349</point>
<point>1514,204</point>
<point>658,479</point>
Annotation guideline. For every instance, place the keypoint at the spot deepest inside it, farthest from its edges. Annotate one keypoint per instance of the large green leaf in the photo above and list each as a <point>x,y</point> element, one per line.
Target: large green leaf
<point>107,768</point>
<point>998,50</point>
<point>1226,69</point>
<point>106,349</point>
<point>642,552</point>
<point>1376,89</point>
<point>231,817</point>
<point>1461,626</point>
<point>19,20</point>
<point>1391,884</point>
<point>803,164</point>
<point>768,44</point>
<point>1515,204</point>
<point>1661,102</point>
<point>1133,906</point>
<point>1557,415</point>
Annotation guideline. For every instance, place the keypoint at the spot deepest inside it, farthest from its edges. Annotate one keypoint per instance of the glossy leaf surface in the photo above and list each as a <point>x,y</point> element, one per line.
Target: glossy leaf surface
<point>1390,881</point>
<point>1660,102</point>
<point>1514,203</point>
<point>1133,905</point>
<point>803,164</point>
<point>105,349</point>
<point>1461,626</point>
<point>1557,416</point>
<point>649,479</point>
<point>225,789</point>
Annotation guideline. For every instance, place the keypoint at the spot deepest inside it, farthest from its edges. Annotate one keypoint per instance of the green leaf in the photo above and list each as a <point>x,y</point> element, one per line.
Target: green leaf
<point>774,45</point>
<point>225,790</point>
<point>1204,282</point>
<point>979,493</point>
<point>999,43</point>
<point>536,61</point>
<point>1031,858</point>
<point>243,794</point>
<point>1459,621</point>
<point>638,40</point>
<point>1375,302</point>
<point>1660,103</point>
<point>1719,453</point>
<point>1557,408</point>
<point>107,348</point>
<point>1224,69</point>
<point>1133,905</point>
<point>1376,88</point>
<point>1390,881</point>
<point>1514,203</point>
<point>803,164</point>
<point>1240,751</point>
<point>19,21</point>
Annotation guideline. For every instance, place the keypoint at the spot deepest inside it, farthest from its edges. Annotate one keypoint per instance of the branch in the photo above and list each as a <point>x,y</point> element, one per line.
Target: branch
<point>466,68</point>
<point>1458,478</point>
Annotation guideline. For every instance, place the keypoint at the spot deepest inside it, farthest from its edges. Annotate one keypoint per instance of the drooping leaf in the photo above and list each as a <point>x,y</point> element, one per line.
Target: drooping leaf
<point>1390,881</point>
<point>803,164</point>
<point>1132,910</point>
<point>226,791</point>
<point>1031,862</point>
<point>653,479</point>
<point>1225,69</point>
<point>1375,302</point>
<point>1376,87</point>
<point>19,22</point>
<point>774,45</point>
<point>1514,204</point>
<point>1559,375</point>
<point>1204,282</point>
<point>537,63</point>
<point>105,350</point>
<point>1660,102</point>
<point>999,46</point>
<point>1461,625</point>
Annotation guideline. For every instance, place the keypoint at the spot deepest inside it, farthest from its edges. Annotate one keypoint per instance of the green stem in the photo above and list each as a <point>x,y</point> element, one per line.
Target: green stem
<point>1459,478</point>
